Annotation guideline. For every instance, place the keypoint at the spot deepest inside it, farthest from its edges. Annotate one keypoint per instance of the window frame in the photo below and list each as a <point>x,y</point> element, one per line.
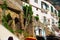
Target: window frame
<point>56,12</point>
<point>36,1</point>
<point>52,10</point>
<point>45,4</point>
<point>44,19</point>
<point>53,21</point>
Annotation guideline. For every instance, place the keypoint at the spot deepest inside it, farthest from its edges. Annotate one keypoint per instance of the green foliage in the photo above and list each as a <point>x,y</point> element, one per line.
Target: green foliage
<point>4,5</point>
<point>20,31</point>
<point>26,34</point>
<point>5,18</point>
<point>9,17</point>
<point>37,18</point>
<point>28,12</point>
<point>5,23</point>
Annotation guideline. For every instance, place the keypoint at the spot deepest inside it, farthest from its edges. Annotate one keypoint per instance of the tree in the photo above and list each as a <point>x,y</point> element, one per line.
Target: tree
<point>27,14</point>
<point>27,17</point>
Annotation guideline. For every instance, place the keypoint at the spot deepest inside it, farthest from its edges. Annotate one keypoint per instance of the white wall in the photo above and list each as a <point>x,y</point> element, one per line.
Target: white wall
<point>48,15</point>
<point>5,34</point>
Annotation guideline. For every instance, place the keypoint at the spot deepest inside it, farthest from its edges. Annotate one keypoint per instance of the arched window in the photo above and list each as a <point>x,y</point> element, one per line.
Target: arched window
<point>56,12</point>
<point>51,9</point>
<point>10,38</point>
<point>44,5</point>
<point>36,1</point>
<point>53,21</point>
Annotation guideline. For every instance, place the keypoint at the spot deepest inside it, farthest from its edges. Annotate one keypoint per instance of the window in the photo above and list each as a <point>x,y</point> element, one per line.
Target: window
<point>41,4</point>
<point>36,1</point>
<point>51,9</point>
<point>37,30</point>
<point>44,19</point>
<point>56,12</point>
<point>44,4</point>
<point>48,22</point>
<point>53,21</point>
<point>56,22</point>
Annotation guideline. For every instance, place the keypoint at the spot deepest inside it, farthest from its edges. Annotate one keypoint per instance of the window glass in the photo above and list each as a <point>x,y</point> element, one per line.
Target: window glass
<point>36,1</point>
<point>56,12</point>
<point>44,5</point>
<point>44,19</point>
<point>56,22</point>
<point>51,9</point>
<point>52,21</point>
<point>37,30</point>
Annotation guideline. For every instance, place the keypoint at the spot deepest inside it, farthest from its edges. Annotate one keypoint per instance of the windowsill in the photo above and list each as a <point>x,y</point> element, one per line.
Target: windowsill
<point>44,10</point>
<point>54,15</point>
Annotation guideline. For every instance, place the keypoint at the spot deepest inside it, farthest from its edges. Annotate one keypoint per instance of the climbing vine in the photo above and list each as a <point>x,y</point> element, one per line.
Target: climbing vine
<point>37,18</point>
<point>27,13</point>
<point>5,18</point>
<point>27,17</point>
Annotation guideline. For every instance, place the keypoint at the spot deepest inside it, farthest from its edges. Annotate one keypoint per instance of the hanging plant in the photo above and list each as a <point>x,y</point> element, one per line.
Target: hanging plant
<point>27,17</point>
<point>37,18</point>
<point>28,13</point>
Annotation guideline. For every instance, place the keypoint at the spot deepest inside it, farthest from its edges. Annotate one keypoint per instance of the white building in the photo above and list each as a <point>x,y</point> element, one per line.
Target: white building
<point>5,34</point>
<point>47,13</point>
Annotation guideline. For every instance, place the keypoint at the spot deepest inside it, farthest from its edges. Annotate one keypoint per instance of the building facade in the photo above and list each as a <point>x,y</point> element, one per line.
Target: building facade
<point>47,13</point>
<point>48,16</point>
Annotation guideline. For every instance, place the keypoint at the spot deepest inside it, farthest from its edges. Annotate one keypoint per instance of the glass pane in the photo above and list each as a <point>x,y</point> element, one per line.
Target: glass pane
<point>51,9</point>
<point>44,5</point>
<point>36,1</point>
<point>56,12</point>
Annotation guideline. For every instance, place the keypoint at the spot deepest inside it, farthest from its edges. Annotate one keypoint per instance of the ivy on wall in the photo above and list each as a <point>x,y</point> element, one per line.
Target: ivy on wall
<point>37,18</point>
<point>27,18</point>
<point>5,23</point>
<point>5,18</point>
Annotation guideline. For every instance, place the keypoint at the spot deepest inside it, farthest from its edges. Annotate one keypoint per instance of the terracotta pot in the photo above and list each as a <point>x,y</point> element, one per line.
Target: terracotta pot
<point>30,38</point>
